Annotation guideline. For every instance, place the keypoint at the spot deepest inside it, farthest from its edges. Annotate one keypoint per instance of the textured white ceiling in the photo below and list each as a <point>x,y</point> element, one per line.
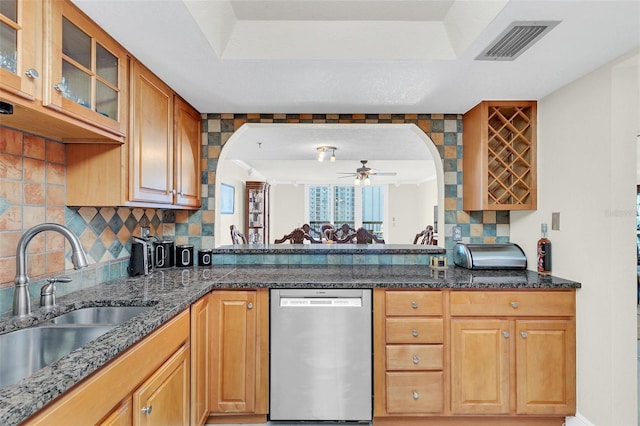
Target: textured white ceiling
<point>361,56</point>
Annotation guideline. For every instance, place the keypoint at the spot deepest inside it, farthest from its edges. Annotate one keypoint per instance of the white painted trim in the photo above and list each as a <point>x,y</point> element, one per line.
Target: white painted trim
<point>577,420</point>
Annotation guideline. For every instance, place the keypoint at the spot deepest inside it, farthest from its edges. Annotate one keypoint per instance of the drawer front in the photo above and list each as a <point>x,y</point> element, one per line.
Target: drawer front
<point>414,303</point>
<point>513,303</point>
<point>415,392</point>
<point>414,357</point>
<point>414,330</point>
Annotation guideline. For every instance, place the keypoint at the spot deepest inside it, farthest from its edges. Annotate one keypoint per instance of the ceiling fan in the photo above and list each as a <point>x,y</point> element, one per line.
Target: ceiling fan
<point>362,174</point>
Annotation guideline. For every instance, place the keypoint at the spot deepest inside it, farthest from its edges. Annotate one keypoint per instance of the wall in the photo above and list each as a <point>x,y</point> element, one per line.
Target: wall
<point>235,176</point>
<point>587,172</point>
<point>404,220</point>
<point>287,209</point>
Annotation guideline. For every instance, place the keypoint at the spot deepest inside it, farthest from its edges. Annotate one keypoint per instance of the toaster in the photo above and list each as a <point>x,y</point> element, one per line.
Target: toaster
<point>141,262</point>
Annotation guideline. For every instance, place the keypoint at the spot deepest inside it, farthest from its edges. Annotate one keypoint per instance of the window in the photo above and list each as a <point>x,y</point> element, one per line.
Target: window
<point>347,204</point>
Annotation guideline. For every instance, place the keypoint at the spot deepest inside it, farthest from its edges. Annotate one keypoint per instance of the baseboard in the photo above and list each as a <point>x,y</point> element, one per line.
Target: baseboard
<point>578,420</point>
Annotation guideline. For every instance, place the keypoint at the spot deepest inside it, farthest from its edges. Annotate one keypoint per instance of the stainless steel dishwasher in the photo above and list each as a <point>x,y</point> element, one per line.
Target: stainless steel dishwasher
<point>321,355</point>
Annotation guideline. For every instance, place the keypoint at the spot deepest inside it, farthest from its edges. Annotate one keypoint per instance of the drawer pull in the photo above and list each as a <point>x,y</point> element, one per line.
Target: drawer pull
<point>523,334</point>
<point>416,395</point>
<point>505,334</point>
<point>414,304</point>
<point>514,305</point>
<point>415,333</point>
<point>416,360</point>
<point>146,410</point>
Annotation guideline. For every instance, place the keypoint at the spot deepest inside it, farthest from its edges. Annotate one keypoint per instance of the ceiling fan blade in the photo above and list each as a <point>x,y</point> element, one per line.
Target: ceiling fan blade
<point>383,173</point>
<point>346,173</point>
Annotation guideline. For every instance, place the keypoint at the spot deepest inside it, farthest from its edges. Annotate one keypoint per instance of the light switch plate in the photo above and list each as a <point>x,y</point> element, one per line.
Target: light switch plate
<point>555,221</point>
<point>457,233</point>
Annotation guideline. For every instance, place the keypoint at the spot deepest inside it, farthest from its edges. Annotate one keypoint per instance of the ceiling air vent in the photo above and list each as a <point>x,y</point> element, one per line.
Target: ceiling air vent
<point>517,38</point>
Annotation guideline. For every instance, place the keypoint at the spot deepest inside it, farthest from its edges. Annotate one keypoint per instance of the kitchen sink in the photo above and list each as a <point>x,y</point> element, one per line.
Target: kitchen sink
<point>100,315</point>
<point>25,351</point>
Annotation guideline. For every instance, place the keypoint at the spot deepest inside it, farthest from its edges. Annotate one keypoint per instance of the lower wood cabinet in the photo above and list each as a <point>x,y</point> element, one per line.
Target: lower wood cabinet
<point>163,399</point>
<point>513,353</point>
<point>239,355</point>
<point>200,359</point>
<point>460,357</point>
<point>153,374</point>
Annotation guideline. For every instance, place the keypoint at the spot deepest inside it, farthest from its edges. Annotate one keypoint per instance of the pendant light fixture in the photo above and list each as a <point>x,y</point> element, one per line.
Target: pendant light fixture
<point>322,150</point>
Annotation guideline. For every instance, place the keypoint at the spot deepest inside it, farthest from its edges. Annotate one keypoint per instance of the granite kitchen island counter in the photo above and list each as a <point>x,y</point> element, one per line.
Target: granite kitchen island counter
<point>170,291</point>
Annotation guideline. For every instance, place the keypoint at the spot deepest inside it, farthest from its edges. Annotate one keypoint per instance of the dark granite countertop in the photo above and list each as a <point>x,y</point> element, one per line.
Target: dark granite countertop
<point>169,291</point>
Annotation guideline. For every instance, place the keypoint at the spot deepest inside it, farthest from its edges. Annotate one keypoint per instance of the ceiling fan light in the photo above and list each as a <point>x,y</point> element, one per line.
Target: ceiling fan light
<point>321,155</point>
<point>367,181</point>
<point>357,181</point>
<point>333,156</point>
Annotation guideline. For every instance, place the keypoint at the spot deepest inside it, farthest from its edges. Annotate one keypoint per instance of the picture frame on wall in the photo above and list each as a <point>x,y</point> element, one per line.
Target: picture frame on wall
<point>227,197</point>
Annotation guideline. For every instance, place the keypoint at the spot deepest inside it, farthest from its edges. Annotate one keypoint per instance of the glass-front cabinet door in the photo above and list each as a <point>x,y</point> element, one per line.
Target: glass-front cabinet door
<point>88,70</point>
<point>19,65</point>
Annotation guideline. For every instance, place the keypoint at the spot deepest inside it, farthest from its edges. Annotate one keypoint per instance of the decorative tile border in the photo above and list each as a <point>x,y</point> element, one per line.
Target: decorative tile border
<point>445,130</point>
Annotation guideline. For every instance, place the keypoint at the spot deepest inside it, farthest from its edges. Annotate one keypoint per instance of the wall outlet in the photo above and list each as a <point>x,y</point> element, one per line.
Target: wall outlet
<point>457,233</point>
<point>555,221</point>
<point>145,231</point>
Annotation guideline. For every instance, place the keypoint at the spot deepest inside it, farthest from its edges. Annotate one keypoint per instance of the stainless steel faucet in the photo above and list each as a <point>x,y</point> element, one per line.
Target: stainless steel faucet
<point>21,301</point>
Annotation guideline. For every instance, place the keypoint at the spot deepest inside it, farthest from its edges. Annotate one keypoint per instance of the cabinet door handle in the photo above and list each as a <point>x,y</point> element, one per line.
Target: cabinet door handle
<point>416,360</point>
<point>146,410</point>
<point>505,334</point>
<point>416,395</point>
<point>32,73</point>
<point>415,333</point>
<point>249,305</point>
<point>414,304</point>
<point>523,334</point>
<point>514,305</point>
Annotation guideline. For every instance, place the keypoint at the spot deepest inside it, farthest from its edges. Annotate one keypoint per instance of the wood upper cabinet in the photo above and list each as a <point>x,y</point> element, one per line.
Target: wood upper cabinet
<point>187,135</point>
<point>158,166</point>
<point>515,355</point>
<point>164,398</point>
<point>200,360</point>
<point>151,138</point>
<point>164,144</point>
<point>19,37</point>
<point>239,352</point>
<point>44,41</point>
<point>86,74</point>
<point>499,156</point>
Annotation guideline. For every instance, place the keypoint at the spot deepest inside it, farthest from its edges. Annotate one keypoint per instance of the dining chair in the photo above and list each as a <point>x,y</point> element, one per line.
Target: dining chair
<point>236,236</point>
<point>425,236</point>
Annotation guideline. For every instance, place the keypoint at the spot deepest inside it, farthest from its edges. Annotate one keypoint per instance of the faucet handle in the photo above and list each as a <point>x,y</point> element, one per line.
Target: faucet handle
<point>60,279</point>
<point>48,291</point>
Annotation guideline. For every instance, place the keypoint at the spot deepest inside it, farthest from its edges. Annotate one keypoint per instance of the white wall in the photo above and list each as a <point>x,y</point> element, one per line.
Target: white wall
<point>287,209</point>
<point>587,172</point>
<point>236,176</point>
<point>410,211</point>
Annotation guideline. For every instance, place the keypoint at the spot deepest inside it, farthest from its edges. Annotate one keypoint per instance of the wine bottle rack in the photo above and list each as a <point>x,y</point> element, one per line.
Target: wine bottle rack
<point>499,156</point>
